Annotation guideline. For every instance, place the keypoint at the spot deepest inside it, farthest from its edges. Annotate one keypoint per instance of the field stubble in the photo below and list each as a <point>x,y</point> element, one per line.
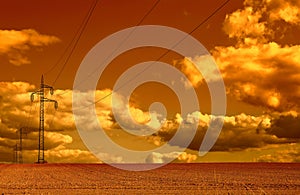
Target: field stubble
<point>202,178</point>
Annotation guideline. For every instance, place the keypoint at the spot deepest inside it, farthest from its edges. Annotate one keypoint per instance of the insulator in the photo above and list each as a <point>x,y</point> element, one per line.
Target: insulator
<point>51,91</point>
<point>32,97</point>
<point>55,105</point>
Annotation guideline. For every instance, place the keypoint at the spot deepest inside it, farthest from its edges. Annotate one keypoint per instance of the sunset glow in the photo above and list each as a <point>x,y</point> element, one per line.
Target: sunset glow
<point>255,45</point>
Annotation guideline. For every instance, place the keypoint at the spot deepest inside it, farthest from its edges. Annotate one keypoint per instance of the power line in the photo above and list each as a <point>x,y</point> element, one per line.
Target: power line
<point>174,46</point>
<point>148,13</point>
<point>31,121</point>
<point>27,118</point>
<point>69,45</point>
<point>164,54</point>
<point>79,32</point>
<point>77,40</point>
<point>123,41</point>
<point>77,35</point>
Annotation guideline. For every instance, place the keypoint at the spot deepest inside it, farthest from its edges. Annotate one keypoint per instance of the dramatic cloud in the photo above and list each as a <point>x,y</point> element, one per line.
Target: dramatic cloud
<point>239,132</point>
<point>259,70</point>
<point>244,25</point>
<point>61,137</point>
<point>63,144</point>
<point>286,126</point>
<point>205,63</point>
<point>272,73</point>
<point>125,116</point>
<point>13,43</point>
<point>288,11</point>
<point>18,112</point>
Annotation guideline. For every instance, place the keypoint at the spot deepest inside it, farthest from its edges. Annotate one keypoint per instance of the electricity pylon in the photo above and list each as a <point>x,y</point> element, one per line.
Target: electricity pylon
<point>41,92</point>
<point>21,146</point>
<point>16,160</point>
<point>22,131</point>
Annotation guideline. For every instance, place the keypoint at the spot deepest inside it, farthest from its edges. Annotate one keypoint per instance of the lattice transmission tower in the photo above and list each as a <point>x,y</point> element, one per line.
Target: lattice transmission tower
<point>41,93</point>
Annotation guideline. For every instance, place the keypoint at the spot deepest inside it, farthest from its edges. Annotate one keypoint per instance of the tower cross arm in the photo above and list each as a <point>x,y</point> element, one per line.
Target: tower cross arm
<point>54,101</point>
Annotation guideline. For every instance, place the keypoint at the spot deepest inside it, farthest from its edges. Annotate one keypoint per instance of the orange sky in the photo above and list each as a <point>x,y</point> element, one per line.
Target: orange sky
<point>254,44</point>
<point>62,19</point>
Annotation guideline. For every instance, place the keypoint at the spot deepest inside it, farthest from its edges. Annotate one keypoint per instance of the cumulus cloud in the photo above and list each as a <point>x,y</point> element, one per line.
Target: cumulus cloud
<point>191,66</point>
<point>110,157</point>
<point>14,43</point>
<point>61,154</point>
<point>258,21</point>
<point>288,11</point>
<point>18,112</point>
<point>286,126</point>
<point>239,131</point>
<point>258,69</point>
<point>15,104</point>
<point>6,154</point>
<point>244,25</point>
<point>116,114</point>
<point>156,157</point>
<point>272,73</point>
<point>84,110</point>
<point>61,136</point>
<point>289,154</point>
<point>132,118</point>
<point>18,59</point>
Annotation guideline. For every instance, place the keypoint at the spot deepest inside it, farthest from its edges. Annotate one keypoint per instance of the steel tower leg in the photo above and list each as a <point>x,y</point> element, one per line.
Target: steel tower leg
<point>41,126</point>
